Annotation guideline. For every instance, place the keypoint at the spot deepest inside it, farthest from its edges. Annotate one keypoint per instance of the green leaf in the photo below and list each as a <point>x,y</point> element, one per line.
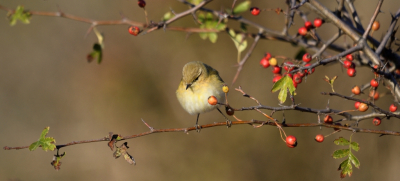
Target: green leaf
<point>240,43</point>
<point>19,14</point>
<point>201,17</point>
<point>300,53</point>
<point>232,33</point>
<point>341,141</point>
<point>346,168</point>
<point>354,160</point>
<point>283,85</point>
<point>213,37</point>
<point>203,35</point>
<point>47,143</point>
<point>209,16</point>
<point>167,16</point>
<point>340,153</point>
<point>242,7</point>
<point>195,2</point>
<point>355,146</point>
<point>220,26</point>
<point>96,53</point>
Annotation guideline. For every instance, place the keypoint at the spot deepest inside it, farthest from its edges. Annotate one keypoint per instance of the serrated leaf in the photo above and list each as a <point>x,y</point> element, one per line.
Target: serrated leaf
<point>341,141</point>
<point>213,37</point>
<point>47,143</point>
<point>354,160</point>
<point>283,85</point>
<point>346,168</point>
<point>355,146</point>
<point>242,7</point>
<point>340,153</point>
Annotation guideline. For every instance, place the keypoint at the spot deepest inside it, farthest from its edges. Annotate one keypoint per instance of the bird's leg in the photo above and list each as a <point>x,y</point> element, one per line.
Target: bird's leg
<point>228,122</point>
<point>198,128</point>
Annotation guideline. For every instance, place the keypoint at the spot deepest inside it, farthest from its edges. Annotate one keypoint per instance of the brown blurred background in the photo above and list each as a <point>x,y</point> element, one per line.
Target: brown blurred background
<point>46,81</point>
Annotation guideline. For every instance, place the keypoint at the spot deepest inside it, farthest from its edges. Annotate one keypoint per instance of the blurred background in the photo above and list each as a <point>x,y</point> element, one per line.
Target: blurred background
<point>45,80</point>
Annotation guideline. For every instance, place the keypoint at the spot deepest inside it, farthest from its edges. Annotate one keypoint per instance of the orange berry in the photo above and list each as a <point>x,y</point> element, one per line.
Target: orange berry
<point>212,100</point>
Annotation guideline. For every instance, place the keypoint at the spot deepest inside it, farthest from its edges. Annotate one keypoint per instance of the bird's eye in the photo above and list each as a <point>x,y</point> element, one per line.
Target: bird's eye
<point>197,78</point>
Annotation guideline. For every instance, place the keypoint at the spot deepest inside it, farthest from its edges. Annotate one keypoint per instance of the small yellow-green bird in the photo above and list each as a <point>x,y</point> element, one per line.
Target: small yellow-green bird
<point>199,82</point>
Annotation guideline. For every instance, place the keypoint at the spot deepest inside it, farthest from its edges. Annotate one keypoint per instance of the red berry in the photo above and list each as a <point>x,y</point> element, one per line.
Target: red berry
<point>141,3</point>
<point>328,119</point>
<point>276,70</point>
<point>303,31</point>
<point>393,108</point>
<point>357,104</point>
<point>376,25</point>
<point>294,84</point>
<point>349,57</point>
<point>276,78</point>
<point>291,141</point>
<point>307,57</point>
<point>306,70</point>
<point>376,121</point>
<point>373,95</point>
<point>308,25</point>
<point>374,83</point>
<point>301,73</point>
<point>297,78</point>
<point>288,66</point>
<point>362,107</point>
<point>356,90</point>
<point>255,11</point>
<point>319,138</point>
<point>212,100</point>
<point>347,64</point>
<point>397,72</point>
<point>133,30</point>
<point>318,22</point>
<point>267,56</point>
<point>264,62</point>
<point>351,72</point>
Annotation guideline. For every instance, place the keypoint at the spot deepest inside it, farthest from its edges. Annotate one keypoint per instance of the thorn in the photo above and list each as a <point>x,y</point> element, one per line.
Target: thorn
<point>151,128</point>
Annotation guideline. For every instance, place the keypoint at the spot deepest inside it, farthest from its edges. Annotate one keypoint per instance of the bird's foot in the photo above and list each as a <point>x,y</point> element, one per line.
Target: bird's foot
<point>198,128</point>
<point>228,123</point>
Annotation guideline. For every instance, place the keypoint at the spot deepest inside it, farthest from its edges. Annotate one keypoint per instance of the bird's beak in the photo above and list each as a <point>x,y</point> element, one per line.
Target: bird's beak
<point>187,86</point>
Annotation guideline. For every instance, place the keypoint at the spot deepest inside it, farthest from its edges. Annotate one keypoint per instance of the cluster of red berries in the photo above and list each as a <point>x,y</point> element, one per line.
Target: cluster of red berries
<point>308,26</point>
<point>349,65</point>
<point>268,60</point>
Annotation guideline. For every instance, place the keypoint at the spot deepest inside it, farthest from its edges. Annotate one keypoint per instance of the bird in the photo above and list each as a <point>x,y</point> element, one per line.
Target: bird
<point>199,82</point>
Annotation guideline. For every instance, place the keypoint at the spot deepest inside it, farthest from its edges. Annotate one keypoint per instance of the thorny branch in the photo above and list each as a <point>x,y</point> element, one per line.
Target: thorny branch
<point>356,33</point>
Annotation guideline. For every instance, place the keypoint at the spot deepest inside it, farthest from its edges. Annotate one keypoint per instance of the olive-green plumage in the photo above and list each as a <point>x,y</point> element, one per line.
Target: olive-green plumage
<point>199,82</point>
